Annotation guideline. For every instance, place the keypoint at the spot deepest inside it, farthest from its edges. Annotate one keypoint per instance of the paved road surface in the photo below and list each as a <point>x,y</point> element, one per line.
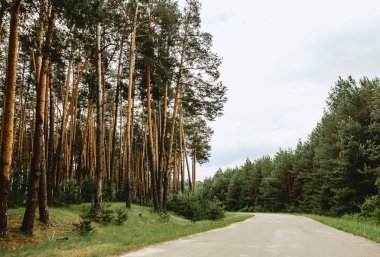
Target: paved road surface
<point>267,235</point>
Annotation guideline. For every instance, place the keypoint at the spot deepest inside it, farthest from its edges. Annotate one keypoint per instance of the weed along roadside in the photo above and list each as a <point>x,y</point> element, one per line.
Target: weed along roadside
<point>360,226</point>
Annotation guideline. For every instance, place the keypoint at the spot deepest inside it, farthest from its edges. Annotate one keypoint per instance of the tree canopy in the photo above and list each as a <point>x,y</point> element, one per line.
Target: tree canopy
<point>333,172</point>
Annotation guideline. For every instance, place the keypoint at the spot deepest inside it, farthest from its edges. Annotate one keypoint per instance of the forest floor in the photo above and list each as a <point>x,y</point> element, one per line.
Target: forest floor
<point>61,237</point>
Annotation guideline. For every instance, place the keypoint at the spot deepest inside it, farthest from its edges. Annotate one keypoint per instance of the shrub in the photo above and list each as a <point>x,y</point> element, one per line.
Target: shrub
<point>193,206</point>
<point>88,189</point>
<point>121,194</point>
<point>164,216</point>
<point>69,193</point>
<point>90,213</point>
<point>121,216</point>
<point>371,208</point>
<point>259,208</point>
<point>247,209</point>
<point>18,188</point>
<point>292,209</point>
<point>107,190</point>
<point>104,215</point>
<point>85,227</point>
<point>215,211</point>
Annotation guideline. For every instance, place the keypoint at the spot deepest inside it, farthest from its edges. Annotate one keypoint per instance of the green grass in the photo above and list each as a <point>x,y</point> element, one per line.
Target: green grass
<point>138,231</point>
<point>366,228</point>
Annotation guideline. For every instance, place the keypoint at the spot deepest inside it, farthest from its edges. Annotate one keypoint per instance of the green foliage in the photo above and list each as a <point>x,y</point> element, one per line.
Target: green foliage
<point>169,38</point>
<point>247,209</point>
<point>85,227</point>
<point>240,190</point>
<point>104,215</point>
<point>107,190</point>
<point>217,187</point>
<point>214,210</point>
<point>333,173</point>
<point>164,216</point>
<point>121,193</point>
<point>371,208</point>
<point>271,198</point>
<point>121,216</point>
<point>89,213</point>
<point>18,188</point>
<point>69,193</point>
<point>88,189</point>
<point>193,206</point>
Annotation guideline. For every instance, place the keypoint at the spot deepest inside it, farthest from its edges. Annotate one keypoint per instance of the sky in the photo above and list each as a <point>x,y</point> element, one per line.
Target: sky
<point>280,60</point>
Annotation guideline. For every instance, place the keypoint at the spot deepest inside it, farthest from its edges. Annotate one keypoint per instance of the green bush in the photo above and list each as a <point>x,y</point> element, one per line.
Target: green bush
<point>90,213</point>
<point>105,215</point>
<point>215,211</point>
<point>164,216</point>
<point>107,190</point>
<point>88,189</point>
<point>259,208</point>
<point>121,194</point>
<point>85,227</point>
<point>371,208</point>
<point>193,206</point>
<point>69,193</point>
<point>247,209</point>
<point>121,216</point>
<point>18,188</point>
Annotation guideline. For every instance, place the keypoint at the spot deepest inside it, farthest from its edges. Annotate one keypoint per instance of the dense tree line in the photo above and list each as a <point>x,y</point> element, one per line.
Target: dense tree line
<point>333,172</point>
<point>103,98</point>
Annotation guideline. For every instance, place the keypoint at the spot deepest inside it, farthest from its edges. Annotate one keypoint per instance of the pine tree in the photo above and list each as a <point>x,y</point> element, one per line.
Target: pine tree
<point>8,116</point>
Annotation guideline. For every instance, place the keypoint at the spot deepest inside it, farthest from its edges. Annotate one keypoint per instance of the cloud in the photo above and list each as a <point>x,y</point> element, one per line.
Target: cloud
<point>280,59</point>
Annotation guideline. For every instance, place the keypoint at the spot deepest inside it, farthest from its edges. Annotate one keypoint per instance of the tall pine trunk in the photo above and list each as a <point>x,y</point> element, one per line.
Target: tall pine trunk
<point>161,163</point>
<point>113,142</point>
<point>128,150</point>
<point>171,140</point>
<point>193,174</point>
<point>37,178</point>
<point>99,125</point>
<point>8,117</point>
<point>172,127</point>
<point>51,143</point>
<point>183,135</point>
<point>20,111</point>
<point>57,173</point>
<point>153,166</point>
<point>182,158</point>
<point>1,29</point>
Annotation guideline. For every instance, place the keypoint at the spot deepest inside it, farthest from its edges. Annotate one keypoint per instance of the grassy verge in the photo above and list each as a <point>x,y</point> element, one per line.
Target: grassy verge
<point>366,228</point>
<point>142,228</point>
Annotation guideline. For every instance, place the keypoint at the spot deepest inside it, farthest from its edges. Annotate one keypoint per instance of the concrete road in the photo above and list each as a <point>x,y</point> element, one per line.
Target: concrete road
<point>267,235</point>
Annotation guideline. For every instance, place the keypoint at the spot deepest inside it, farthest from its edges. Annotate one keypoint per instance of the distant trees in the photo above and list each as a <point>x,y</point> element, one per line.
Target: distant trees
<point>112,100</point>
<point>333,172</point>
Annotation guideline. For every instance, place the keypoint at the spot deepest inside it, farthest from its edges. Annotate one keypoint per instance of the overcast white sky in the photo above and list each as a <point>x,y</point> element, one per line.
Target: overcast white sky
<point>280,59</point>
